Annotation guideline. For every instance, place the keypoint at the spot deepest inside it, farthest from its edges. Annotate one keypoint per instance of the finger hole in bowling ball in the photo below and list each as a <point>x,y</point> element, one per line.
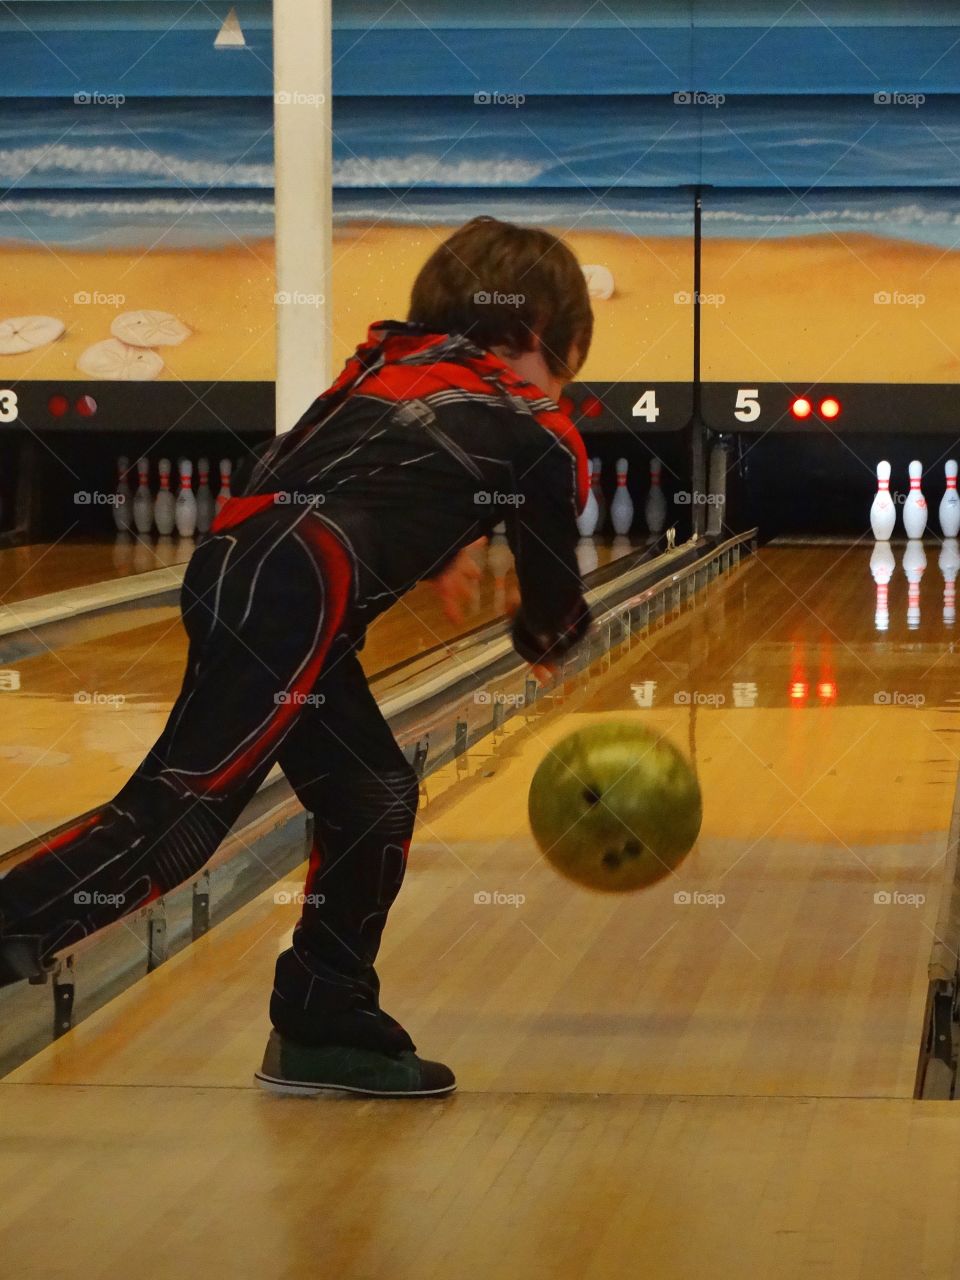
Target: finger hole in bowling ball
<point>591,795</point>
<point>632,848</point>
<point>611,859</point>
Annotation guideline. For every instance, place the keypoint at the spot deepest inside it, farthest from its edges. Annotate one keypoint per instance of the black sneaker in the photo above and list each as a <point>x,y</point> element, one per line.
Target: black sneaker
<point>306,1070</point>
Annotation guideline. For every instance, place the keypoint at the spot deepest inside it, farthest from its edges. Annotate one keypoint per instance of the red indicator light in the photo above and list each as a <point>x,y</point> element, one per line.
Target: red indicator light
<point>829,408</point>
<point>86,406</point>
<point>591,407</point>
<point>58,405</point>
<point>798,691</point>
<point>566,405</point>
<point>801,408</point>
<point>827,690</point>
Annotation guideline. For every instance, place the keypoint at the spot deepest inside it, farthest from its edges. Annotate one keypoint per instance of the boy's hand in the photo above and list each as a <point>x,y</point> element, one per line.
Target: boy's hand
<point>539,670</point>
<point>459,583</point>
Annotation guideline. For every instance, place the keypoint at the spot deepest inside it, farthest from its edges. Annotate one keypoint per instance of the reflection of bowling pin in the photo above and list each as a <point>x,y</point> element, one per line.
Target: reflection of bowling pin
<point>883,514</point>
<point>186,505</point>
<point>950,503</point>
<point>165,506</point>
<point>587,556</point>
<point>597,484</point>
<point>589,517</point>
<point>882,565</point>
<point>499,561</point>
<point>949,565</point>
<point>621,508</point>
<point>205,503</point>
<point>914,563</point>
<point>123,505</point>
<point>915,507</point>
<point>143,556</point>
<point>123,550</point>
<point>655,509</point>
<point>223,497</point>
<point>143,499</point>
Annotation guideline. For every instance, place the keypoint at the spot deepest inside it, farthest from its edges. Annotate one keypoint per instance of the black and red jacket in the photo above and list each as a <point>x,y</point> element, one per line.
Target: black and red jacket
<point>424,443</point>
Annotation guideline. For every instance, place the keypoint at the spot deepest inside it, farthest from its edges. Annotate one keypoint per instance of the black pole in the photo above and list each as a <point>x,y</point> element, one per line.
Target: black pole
<point>698,432</point>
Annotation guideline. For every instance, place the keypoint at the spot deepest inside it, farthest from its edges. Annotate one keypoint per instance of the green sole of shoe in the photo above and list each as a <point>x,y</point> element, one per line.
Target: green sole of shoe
<point>295,1089</point>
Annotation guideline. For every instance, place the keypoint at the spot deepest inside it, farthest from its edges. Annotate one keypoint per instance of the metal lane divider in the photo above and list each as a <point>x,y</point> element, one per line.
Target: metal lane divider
<point>436,714</point>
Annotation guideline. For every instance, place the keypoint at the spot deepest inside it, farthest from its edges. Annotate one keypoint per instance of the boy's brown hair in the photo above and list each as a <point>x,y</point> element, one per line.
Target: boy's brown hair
<point>500,285</point>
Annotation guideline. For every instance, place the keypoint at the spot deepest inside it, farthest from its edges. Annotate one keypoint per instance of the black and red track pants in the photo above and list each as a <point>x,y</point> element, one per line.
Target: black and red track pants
<point>272,676</point>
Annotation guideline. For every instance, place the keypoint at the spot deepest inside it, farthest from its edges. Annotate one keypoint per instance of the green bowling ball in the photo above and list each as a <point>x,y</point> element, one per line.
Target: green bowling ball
<point>615,806</point>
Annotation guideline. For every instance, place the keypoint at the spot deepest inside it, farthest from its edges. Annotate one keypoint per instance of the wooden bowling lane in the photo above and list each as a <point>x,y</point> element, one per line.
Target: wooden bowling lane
<point>647,1086</point>
<point>61,756</point>
<point>766,966</point>
<point>105,1183</point>
<point>41,568</point>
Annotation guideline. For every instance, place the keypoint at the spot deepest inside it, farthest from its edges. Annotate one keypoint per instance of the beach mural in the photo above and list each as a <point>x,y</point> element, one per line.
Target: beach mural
<point>136,224</point>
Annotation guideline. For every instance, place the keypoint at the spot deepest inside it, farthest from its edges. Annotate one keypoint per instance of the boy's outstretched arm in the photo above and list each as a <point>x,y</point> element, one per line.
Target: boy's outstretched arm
<point>542,531</point>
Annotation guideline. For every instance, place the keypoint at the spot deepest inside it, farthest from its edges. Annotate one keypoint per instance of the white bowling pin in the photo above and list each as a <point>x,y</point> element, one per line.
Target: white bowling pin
<point>123,505</point>
<point>499,561</point>
<point>883,514</point>
<point>165,506</point>
<point>186,505</point>
<point>882,565</point>
<point>655,508</point>
<point>915,507</point>
<point>914,563</point>
<point>206,507</point>
<point>950,503</point>
<point>587,556</point>
<point>597,483</point>
<point>949,565</point>
<point>621,508</point>
<point>143,499</point>
<point>223,497</point>
<point>589,517</point>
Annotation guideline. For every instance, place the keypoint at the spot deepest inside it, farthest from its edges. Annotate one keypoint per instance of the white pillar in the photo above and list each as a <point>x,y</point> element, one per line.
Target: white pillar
<point>303,185</point>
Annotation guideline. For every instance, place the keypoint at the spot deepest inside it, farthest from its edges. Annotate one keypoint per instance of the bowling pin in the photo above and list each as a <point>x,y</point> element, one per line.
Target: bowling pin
<point>655,509</point>
<point>621,508</point>
<point>589,517</point>
<point>123,507</point>
<point>883,514</point>
<point>186,505</point>
<point>915,507</point>
<point>914,563</point>
<point>882,565</point>
<point>143,499</point>
<point>596,481</point>
<point>165,506</point>
<point>224,496</point>
<point>587,556</point>
<point>950,503</point>
<point>206,507</point>
<point>949,565</point>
